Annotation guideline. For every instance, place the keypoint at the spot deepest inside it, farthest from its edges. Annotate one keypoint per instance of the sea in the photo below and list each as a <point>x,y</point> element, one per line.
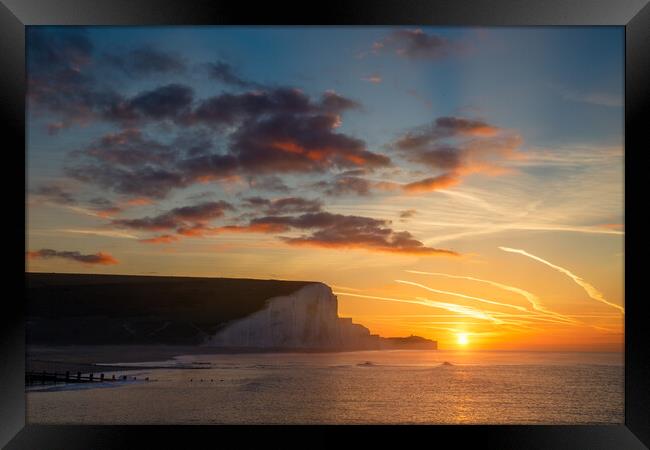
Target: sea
<point>365,387</point>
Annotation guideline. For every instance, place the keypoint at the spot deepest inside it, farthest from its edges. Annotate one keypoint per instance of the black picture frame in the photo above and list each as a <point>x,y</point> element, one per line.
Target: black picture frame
<point>634,15</point>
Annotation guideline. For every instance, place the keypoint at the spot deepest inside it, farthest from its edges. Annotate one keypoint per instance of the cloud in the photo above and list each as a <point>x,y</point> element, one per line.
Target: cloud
<point>593,98</point>
<point>344,185</point>
<point>300,144</point>
<point>374,79</point>
<point>58,75</point>
<point>229,109</point>
<point>530,297</point>
<point>432,183</point>
<point>268,183</point>
<point>164,102</point>
<point>225,73</point>
<point>458,294</point>
<point>407,214</point>
<point>326,230</point>
<point>200,230</point>
<point>416,44</point>
<point>62,69</point>
<point>154,182</point>
<point>55,194</point>
<point>98,232</point>
<point>589,289</point>
<point>105,207</point>
<point>178,217</point>
<point>97,258</point>
<point>270,132</point>
<point>127,148</point>
<point>452,307</point>
<point>145,61</point>
<point>458,147</point>
<point>162,239</point>
<point>340,231</point>
<point>288,205</point>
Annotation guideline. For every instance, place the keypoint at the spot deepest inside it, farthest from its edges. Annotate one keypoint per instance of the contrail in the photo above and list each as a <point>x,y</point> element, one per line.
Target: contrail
<point>466,310</point>
<point>520,308</point>
<point>532,298</point>
<point>591,291</point>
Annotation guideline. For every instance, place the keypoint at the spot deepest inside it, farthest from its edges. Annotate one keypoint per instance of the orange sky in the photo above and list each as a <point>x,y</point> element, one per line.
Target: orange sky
<point>462,186</point>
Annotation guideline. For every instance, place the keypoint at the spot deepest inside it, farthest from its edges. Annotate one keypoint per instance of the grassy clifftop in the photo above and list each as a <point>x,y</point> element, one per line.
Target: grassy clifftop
<point>120,309</point>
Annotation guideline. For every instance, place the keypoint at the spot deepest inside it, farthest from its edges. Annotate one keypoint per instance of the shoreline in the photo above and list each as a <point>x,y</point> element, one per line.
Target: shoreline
<point>87,359</point>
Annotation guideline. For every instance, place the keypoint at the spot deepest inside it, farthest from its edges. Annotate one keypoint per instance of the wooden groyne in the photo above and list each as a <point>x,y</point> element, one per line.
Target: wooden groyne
<point>43,377</point>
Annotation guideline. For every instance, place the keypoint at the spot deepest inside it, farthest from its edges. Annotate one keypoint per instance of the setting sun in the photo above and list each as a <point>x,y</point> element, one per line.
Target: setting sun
<point>462,339</point>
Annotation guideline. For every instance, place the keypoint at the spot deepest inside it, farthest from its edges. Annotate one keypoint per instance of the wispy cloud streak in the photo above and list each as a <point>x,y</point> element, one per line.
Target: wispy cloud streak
<point>589,289</point>
<point>532,298</point>
<point>457,294</point>
<point>459,309</point>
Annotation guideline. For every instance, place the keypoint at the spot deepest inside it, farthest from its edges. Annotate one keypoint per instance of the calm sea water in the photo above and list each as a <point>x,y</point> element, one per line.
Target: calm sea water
<point>372,387</point>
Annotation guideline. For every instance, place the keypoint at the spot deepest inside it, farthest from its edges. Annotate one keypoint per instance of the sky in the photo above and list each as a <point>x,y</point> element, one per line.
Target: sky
<point>462,184</point>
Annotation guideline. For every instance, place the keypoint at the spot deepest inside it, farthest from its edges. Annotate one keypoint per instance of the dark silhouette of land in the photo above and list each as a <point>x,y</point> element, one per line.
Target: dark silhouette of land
<point>76,309</point>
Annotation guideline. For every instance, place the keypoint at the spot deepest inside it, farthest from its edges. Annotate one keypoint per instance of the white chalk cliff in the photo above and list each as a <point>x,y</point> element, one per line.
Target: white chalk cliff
<point>308,318</point>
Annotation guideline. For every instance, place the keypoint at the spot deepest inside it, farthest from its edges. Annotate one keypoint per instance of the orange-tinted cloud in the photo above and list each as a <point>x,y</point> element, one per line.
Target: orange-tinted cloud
<point>97,258</point>
<point>139,201</point>
<point>613,226</point>
<point>178,217</point>
<point>390,248</point>
<point>433,183</point>
<point>329,230</point>
<point>203,230</point>
<point>162,239</point>
<point>458,147</point>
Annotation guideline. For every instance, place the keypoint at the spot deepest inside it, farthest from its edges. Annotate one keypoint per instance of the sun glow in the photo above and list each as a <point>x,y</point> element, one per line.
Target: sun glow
<point>462,339</point>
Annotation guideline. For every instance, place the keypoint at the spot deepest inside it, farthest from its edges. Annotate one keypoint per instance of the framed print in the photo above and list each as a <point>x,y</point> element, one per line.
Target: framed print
<point>396,221</point>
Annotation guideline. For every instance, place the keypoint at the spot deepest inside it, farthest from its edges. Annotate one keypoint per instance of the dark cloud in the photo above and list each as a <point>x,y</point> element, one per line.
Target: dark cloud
<point>256,202</point>
<point>165,102</point>
<point>128,148</point>
<point>147,181</point>
<point>55,194</point>
<point>345,185</point>
<point>58,50</point>
<point>277,131</point>
<point>228,109</point>
<point>408,213</point>
<point>59,78</point>
<point>62,69</point>
<point>225,73</point>
<point>289,143</point>
<point>288,205</point>
<point>339,231</point>
<point>128,163</point>
<point>104,207</point>
<point>270,183</point>
<point>417,44</point>
<point>185,216</point>
<point>97,258</point>
<point>145,61</point>
<point>260,134</point>
<point>445,127</point>
<point>457,147</point>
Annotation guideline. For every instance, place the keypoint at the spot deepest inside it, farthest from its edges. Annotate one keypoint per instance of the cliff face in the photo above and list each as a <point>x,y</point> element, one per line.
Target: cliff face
<point>76,309</point>
<point>308,318</point>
